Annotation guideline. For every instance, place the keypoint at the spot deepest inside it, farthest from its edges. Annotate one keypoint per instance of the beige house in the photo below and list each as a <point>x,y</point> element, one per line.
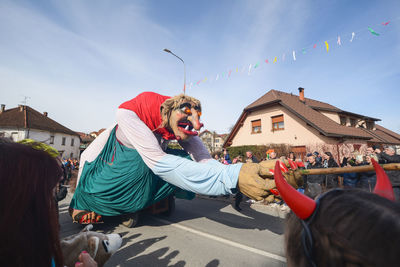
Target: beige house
<point>213,142</point>
<point>307,125</point>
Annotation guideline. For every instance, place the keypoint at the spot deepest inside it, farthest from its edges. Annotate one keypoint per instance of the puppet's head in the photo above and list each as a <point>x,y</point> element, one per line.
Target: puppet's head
<point>181,115</point>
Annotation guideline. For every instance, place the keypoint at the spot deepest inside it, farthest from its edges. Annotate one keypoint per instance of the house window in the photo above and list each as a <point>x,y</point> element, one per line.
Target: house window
<point>51,139</point>
<point>216,140</point>
<point>72,141</point>
<point>71,156</point>
<point>353,122</point>
<point>370,125</point>
<point>208,140</point>
<point>63,141</point>
<point>277,123</point>
<point>343,120</point>
<point>256,126</point>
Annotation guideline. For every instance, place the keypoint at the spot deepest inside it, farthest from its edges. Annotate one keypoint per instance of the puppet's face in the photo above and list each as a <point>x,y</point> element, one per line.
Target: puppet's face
<point>185,120</point>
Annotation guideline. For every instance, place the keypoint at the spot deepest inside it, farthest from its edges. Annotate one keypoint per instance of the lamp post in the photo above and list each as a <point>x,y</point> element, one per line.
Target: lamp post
<point>184,69</point>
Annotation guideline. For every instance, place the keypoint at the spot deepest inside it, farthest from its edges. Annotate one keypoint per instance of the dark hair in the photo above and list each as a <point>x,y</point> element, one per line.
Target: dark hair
<point>294,156</point>
<point>28,210</point>
<point>350,228</point>
<point>329,154</point>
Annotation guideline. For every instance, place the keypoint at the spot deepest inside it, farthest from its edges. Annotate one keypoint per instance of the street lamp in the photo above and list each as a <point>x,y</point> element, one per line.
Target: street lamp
<point>184,69</point>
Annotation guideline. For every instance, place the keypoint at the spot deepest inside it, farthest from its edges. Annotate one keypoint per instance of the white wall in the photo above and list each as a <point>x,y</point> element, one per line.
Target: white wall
<point>44,137</point>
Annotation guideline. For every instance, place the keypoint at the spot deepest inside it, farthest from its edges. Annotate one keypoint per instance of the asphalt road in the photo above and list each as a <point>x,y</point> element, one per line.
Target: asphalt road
<point>201,232</point>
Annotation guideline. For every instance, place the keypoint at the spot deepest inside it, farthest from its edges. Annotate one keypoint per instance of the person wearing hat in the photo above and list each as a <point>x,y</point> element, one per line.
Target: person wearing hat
<point>318,158</point>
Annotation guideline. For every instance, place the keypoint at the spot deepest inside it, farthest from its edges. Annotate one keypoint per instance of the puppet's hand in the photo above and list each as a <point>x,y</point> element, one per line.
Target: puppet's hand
<point>252,184</point>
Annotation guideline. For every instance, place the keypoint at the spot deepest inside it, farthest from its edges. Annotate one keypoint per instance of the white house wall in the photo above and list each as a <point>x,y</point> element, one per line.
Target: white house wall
<point>44,136</point>
<point>295,133</point>
<point>67,149</point>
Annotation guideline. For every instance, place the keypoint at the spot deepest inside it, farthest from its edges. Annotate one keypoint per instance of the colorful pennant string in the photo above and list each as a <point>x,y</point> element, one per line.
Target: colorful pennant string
<point>353,34</point>
<point>303,51</point>
<point>373,32</point>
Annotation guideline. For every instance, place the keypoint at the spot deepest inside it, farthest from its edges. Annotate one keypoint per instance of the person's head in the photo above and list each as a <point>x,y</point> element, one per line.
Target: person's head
<point>249,154</point>
<point>328,155</point>
<point>369,157</point>
<point>292,156</point>
<point>390,150</point>
<point>225,151</point>
<point>272,155</point>
<point>29,218</point>
<point>343,227</point>
<point>216,156</point>
<point>310,158</point>
<point>370,150</point>
<point>181,115</point>
<point>316,154</point>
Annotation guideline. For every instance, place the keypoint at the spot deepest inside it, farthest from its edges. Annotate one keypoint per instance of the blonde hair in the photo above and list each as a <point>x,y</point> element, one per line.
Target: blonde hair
<point>174,103</point>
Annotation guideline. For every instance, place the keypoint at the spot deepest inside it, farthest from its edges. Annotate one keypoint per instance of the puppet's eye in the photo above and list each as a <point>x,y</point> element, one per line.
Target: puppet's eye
<point>199,113</point>
<point>186,110</point>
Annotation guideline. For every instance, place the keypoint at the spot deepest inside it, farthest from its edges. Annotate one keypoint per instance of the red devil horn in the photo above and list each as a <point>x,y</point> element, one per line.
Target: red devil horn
<point>383,186</point>
<point>301,205</point>
<point>293,165</point>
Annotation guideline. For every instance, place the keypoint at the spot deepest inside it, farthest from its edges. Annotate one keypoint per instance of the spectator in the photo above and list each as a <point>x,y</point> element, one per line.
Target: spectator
<point>318,158</point>
<point>350,180</point>
<point>292,156</point>
<point>227,158</point>
<point>238,195</point>
<point>331,180</point>
<point>272,155</point>
<point>251,157</point>
<point>343,227</point>
<point>28,179</point>
<point>367,180</point>
<point>389,156</point>
<point>313,183</point>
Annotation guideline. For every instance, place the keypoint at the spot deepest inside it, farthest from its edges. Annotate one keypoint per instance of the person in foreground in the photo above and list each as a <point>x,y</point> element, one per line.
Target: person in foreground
<point>342,227</point>
<point>29,219</point>
<point>129,166</point>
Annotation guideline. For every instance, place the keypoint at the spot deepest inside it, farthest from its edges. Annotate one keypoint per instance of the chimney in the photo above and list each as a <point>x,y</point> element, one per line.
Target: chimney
<point>301,94</point>
<point>45,113</point>
<point>21,107</point>
<point>3,107</point>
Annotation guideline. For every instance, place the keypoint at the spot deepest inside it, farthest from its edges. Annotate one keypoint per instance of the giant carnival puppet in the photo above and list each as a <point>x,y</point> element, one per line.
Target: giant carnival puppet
<point>129,167</point>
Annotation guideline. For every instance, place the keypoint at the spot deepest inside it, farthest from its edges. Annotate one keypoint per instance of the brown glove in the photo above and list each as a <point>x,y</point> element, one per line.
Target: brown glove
<point>252,184</point>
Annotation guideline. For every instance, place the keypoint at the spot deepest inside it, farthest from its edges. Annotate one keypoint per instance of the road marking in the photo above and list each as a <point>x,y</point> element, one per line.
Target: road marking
<point>225,241</point>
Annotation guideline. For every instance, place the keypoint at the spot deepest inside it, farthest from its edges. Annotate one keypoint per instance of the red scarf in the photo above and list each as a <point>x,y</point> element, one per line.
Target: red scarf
<point>147,106</point>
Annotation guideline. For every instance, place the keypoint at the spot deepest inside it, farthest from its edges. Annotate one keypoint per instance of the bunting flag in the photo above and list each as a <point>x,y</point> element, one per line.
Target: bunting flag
<point>352,37</point>
<point>373,32</point>
<point>275,59</point>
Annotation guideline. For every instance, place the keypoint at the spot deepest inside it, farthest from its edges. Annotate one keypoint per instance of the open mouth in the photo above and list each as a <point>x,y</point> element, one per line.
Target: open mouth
<point>186,127</point>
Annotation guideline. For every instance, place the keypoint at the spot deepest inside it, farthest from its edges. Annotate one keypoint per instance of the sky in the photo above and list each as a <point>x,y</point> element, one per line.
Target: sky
<point>79,60</point>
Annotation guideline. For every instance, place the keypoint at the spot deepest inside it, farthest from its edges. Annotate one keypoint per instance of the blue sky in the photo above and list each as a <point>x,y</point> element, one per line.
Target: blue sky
<point>78,60</point>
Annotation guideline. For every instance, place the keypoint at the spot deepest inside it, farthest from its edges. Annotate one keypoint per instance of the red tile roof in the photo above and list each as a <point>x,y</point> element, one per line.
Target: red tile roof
<point>26,117</point>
